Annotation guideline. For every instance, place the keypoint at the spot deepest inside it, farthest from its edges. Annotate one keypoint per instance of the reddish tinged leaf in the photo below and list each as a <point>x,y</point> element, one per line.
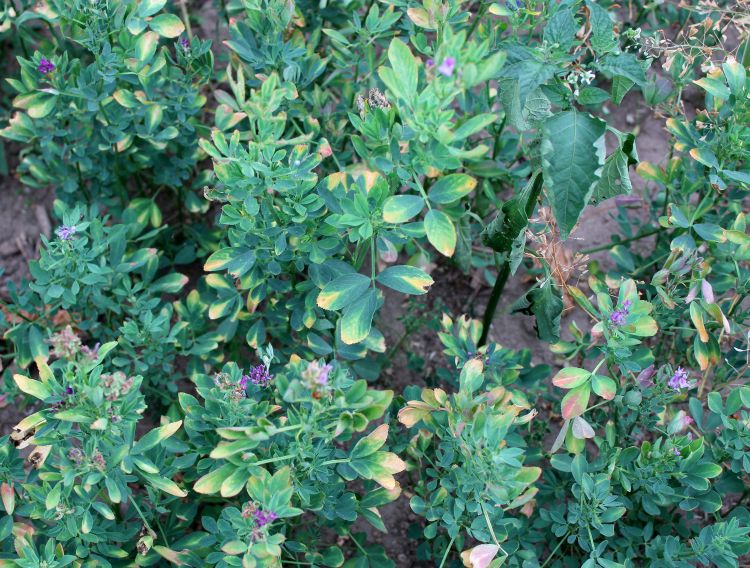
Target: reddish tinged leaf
<point>571,377</point>
<point>604,387</point>
<point>575,402</point>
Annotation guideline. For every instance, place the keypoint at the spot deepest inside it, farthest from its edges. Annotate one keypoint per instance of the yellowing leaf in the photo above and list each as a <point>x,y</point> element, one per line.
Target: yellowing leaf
<point>34,388</point>
<point>440,232</point>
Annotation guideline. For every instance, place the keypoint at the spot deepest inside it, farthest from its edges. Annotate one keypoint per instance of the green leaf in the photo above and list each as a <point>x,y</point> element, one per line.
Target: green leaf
<point>401,208</point>
<point>546,305</point>
<point>714,87</point>
<point>561,29</point>
<point>735,74</point>
<point>343,291</point>
<point>624,65</point>
<point>154,437</point>
<point>509,222</point>
<point>356,319</point>
<point>150,7</point>
<point>370,443</point>
<point>211,482</point>
<point>169,284</point>
<point>740,177</point>
<point>53,497</point>
<point>163,484</point>
<point>237,261</point>
<point>603,37</point>
<point>572,155</point>
<point>620,87</point>
<point>705,156</point>
<point>440,232</point>
<point>34,388</point>
<point>710,232</point>
<point>472,376</point>
<point>592,96</point>
<point>451,188</point>
<point>405,279</point>
<point>145,47</point>
<point>405,70</point>
<point>615,179</point>
<point>126,99</point>
<point>605,387</point>
<point>706,470</point>
<point>473,125</point>
<point>38,104</point>
<point>167,25</point>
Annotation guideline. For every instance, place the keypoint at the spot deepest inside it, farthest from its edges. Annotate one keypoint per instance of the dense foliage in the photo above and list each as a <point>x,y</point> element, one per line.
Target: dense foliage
<point>204,355</point>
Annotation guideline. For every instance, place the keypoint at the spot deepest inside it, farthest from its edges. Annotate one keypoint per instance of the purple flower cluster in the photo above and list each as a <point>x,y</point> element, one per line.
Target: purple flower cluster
<point>618,317</point>
<point>679,380</point>
<point>184,43</point>
<point>262,518</point>
<point>66,232</point>
<point>259,376</point>
<point>45,66</point>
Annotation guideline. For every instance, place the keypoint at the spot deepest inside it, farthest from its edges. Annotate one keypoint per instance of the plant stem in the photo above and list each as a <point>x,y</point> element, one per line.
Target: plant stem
<point>502,277</point>
<point>497,291</point>
<point>622,242</point>
<point>186,18</point>
<point>552,554</point>
<point>271,460</point>
<point>447,550</point>
<point>477,17</point>
<point>143,518</point>
<point>489,524</point>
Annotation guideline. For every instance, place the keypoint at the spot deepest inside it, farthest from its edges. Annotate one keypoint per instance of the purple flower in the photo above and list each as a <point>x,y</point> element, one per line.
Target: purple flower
<point>259,375</point>
<point>262,518</point>
<point>430,62</point>
<point>68,391</point>
<point>676,452</point>
<point>45,66</point>
<point>684,422</point>
<point>66,232</point>
<point>243,381</point>
<point>185,43</point>
<point>679,380</point>
<point>91,352</point>
<point>618,317</point>
<point>447,67</point>
<point>323,376</point>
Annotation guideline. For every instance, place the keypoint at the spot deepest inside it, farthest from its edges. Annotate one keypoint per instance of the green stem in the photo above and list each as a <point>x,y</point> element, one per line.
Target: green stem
<point>271,460</point>
<point>489,527</point>
<point>622,242</point>
<point>554,551</point>
<point>502,277</point>
<point>186,18</point>
<point>340,460</point>
<point>143,518</point>
<point>447,550</point>
<point>475,23</point>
